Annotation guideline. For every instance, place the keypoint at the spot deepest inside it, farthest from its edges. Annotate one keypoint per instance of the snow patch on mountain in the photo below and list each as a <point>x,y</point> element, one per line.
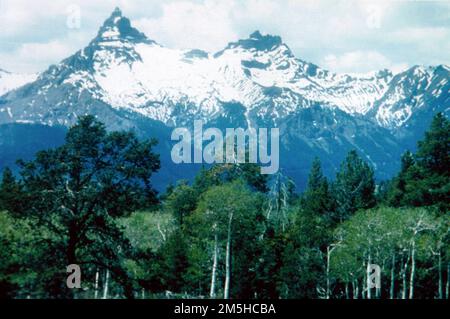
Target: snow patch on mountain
<point>127,71</point>
<point>159,79</point>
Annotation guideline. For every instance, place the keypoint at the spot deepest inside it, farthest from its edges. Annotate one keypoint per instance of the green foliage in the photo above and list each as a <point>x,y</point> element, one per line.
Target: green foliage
<point>354,186</point>
<point>78,189</point>
<point>91,202</point>
<point>381,236</point>
<point>223,173</point>
<point>425,179</point>
<point>317,198</point>
<point>147,230</point>
<point>434,151</point>
<point>230,204</point>
<point>9,190</point>
<point>182,201</point>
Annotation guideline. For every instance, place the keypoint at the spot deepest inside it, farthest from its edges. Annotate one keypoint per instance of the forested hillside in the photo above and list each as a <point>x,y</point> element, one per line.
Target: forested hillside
<point>231,233</point>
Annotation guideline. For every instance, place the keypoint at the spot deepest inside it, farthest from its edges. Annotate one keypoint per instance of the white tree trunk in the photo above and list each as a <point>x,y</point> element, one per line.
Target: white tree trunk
<point>105,288</point>
<point>403,272</point>
<point>212,293</point>
<point>413,270</point>
<point>355,284</point>
<point>226,291</point>
<point>392,288</point>
<point>369,290</point>
<point>96,285</point>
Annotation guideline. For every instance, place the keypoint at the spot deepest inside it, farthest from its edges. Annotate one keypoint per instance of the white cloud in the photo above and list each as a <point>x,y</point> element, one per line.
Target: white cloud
<point>420,34</point>
<point>360,62</point>
<point>184,24</point>
<point>19,17</point>
<point>371,33</point>
<point>29,56</point>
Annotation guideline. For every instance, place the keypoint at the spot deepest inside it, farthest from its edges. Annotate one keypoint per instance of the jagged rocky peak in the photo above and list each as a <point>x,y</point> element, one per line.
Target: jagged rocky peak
<point>117,27</point>
<point>258,41</point>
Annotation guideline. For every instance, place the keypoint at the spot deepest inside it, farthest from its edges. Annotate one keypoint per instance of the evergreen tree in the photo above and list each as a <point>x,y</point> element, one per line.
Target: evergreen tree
<point>429,181</point>
<point>425,179</point>
<point>397,192</point>
<point>433,152</point>
<point>317,198</point>
<point>354,186</point>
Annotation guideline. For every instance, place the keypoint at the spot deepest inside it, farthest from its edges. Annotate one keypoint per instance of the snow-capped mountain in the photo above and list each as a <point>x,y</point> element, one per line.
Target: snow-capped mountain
<point>10,81</point>
<point>124,69</point>
<point>411,91</point>
<point>131,82</point>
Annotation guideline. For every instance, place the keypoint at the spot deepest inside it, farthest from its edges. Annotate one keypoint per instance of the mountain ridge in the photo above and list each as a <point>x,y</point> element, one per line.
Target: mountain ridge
<point>129,81</point>
<point>244,71</point>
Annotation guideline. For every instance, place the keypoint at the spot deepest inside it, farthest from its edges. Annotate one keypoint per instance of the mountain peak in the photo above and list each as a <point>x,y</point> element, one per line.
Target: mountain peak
<point>117,12</point>
<point>258,41</point>
<point>118,27</point>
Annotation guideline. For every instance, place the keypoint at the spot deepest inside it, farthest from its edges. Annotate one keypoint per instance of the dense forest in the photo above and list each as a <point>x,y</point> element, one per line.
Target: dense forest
<point>230,233</point>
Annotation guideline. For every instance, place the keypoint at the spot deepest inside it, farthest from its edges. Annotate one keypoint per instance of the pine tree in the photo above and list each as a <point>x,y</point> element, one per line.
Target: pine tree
<point>354,186</point>
<point>317,198</point>
<point>425,179</point>
<point>433,152</point>
<point>397,191</point>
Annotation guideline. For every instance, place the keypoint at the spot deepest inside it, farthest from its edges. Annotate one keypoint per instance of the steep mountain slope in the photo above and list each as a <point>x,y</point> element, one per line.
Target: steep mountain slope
<point>22,141</point>
<point>410,92</point>
<point>131,82</point>
<point>125,70</point>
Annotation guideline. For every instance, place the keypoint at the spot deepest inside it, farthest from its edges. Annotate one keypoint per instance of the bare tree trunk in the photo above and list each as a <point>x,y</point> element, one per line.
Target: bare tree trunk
<point>163,235</point>
<point>413,270</point>
<point>96,285</point>
<point>392,288</point>
<point>212,293</point>
<point>403,272</point>
<point>369,290</point>
<point>226,292</point>
<point>355,284</point>
<point>105,288</point>
<point>404,285</point>
<point>347,295</point>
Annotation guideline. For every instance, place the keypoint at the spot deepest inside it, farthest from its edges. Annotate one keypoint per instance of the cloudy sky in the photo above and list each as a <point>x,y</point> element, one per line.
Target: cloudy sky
<point>341,35</point>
